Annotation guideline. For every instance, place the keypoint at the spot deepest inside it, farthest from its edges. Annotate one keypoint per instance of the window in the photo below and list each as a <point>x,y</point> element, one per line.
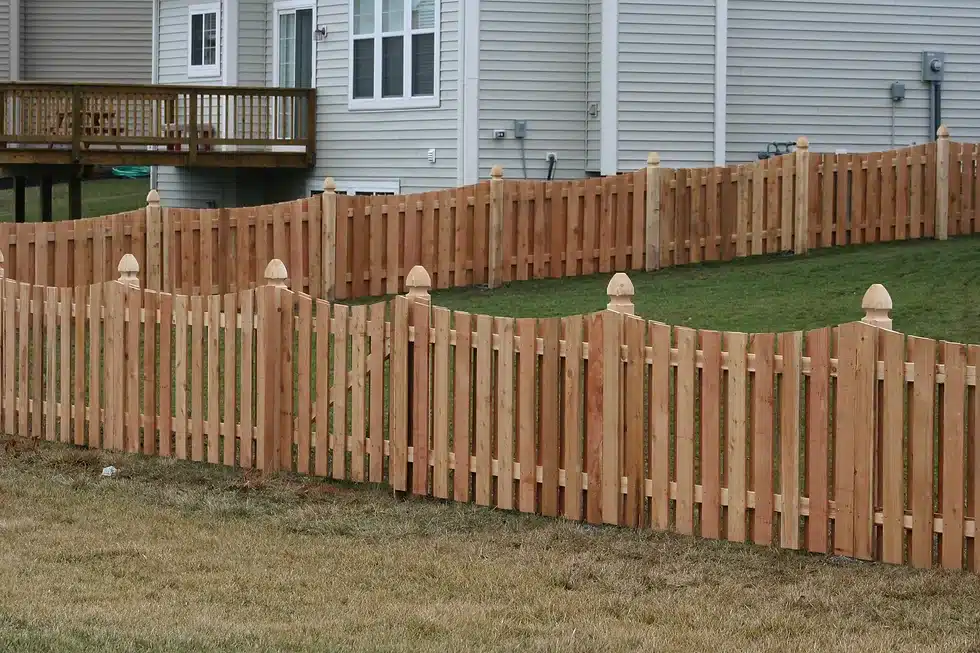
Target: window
<point>394,53</point>
<point>204,41</point>
<point>364,187</point>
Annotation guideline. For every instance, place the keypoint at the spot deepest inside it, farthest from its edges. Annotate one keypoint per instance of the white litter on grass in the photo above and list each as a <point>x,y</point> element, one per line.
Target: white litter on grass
<point>109,471</point>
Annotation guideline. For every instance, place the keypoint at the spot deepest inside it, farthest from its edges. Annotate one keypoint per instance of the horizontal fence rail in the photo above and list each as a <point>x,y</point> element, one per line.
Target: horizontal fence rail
<point>854,440</point>
<point>497,231</point>
<point>183,123</point>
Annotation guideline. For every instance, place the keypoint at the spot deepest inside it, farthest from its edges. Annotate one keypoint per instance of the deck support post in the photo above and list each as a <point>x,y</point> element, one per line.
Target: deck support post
<point>20,198</point>
<point>75,193</point>
<point>46,189</point>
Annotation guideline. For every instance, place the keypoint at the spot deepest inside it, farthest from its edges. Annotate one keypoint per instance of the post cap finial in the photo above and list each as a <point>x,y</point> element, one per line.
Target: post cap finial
<point>275,273</point>
<point>877,298</point>
<point>418,283</point>
<point>129,269</point>
<point>153,197</point>
<point>877,305</point>
<point>942,132</point>
<point>653,159</point>
<point>620,291</point>
<point>497,172</point>
<point>803,143</point>
<point>329,185</point>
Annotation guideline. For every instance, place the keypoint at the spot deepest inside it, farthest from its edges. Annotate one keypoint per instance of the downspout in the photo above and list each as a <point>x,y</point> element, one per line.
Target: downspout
<point>609,89</point>
<point>15,44</point>
<point>154,67</point>
<point>721,81</point>
<point>230,39</point>
<point>468,114</point>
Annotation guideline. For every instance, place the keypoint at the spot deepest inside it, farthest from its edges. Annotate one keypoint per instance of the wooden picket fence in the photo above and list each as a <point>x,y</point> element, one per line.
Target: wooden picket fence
<point>498,231</point>
<point>794,439</point>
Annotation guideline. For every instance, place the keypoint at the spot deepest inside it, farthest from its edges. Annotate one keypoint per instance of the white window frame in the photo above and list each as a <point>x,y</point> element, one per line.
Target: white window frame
<point>406,101</point>
<point>354,186</point>
<point>212,71</point>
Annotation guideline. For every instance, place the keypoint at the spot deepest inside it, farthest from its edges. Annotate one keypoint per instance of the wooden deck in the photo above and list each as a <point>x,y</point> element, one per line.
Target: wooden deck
<point>185,126</point>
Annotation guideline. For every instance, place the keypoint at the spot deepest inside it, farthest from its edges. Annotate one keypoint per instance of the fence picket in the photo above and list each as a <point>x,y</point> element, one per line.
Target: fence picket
<point>441,319</point>
<point>197,378</point>
<point>482,436</point>
<point>304,359</point>
<point>66,297</point>
<point>762,452</point>
<point>50,361</point>
<point>635,337</point>
<point>952,454</point>
<point>684,414</point>
<point>213,395</point>
<point>572,433</point>
<point>463,407</point>
<point>550,417</point>
<point>818,440</point>
<point>659,421</point>
<point>712,479</point>
<point>181,311</point>
<point>922,355</point>
<point>166,375</point>
<point>593,418</point>
<point>338,440</point>
<point>231,379</point>
<point>23,368</point>
<point>526,409</point>
<point>736,448</point>
<point>36,401</point>
<point>246,449</point>
<point>358,385</point>
<point>376,379</point>
<point>321,444</point>
<point>791,351</point>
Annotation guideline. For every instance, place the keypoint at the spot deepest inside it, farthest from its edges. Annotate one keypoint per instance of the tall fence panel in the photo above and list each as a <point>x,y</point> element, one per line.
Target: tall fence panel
<point>501,230</point>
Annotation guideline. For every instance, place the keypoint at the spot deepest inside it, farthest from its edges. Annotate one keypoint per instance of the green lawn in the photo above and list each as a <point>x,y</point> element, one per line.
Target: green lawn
<point>99,197</point>
<point>180,557</point>
<point>935,288</point>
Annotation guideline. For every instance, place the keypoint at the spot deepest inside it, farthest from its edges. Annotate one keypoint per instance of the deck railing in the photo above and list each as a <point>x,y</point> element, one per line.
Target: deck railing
<point>193,120</point>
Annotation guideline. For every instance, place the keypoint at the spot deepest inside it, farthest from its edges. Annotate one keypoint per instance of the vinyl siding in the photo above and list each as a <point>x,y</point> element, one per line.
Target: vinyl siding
<point>254,40</point>
<point>87,41</point>
<point>533,61</point>
<point>389,144</point>
<point>824,70</point>
<point>4,40</point>
<point>666,82</point>
<point>594,77</point>
<point>191,188</point>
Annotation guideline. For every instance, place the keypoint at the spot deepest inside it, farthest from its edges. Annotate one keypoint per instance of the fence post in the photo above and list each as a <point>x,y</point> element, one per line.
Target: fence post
<point>417,285</point>
<point>154,227</point>
<point>129,269</point>
<point>620,291</point>
<point>652,254</point>
<point>801,229</point>
<point>269,365</point>
<point>328,237</point>
<point>942,183</point>
<point>494,244</point>
<point>877,305</point>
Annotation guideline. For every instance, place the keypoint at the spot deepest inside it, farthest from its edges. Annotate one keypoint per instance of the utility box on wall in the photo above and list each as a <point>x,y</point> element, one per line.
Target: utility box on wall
<point>933,66</point>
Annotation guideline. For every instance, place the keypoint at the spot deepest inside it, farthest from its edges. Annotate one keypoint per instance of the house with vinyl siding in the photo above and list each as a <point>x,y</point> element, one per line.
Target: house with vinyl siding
<point>107,41</point>
<point>416,95</point>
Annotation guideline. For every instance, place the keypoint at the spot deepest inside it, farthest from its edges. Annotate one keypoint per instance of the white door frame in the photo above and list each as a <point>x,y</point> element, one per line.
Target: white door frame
<point>278,7</point>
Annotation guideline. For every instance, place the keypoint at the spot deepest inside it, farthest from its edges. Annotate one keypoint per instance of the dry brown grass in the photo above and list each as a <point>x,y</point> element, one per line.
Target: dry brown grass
<point>182,557</point>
